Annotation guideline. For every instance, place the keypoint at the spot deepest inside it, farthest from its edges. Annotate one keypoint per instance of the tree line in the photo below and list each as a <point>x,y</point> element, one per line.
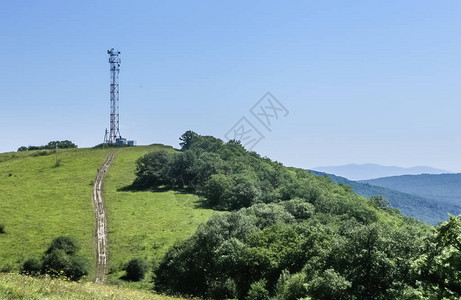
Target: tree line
<point>66,144</point>
<point>290,234</point>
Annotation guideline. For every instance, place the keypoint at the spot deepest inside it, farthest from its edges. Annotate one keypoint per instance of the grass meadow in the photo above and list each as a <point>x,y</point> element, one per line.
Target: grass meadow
<point>144,224</point>
<point>39,201</point>
<point>14,286</point>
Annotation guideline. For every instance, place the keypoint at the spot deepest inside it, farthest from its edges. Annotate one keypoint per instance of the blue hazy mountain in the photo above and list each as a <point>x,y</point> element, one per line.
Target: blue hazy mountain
<point>371,171</point>
<point>443,187</point>
<point>428,210</point>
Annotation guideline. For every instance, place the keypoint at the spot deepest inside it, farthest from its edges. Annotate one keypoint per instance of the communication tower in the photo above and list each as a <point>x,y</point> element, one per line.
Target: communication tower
<point>114,61</point>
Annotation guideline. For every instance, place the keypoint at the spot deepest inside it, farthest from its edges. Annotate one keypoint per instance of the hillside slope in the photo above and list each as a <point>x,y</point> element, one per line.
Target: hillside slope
<point>39,202</point>
<point>288,234</point>
<point>144,224</point>
<point>424,209</point>
<point>445,188</point>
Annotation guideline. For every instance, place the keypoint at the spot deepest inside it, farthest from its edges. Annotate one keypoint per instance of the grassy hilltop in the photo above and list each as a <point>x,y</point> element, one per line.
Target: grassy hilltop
<point>39,201</point>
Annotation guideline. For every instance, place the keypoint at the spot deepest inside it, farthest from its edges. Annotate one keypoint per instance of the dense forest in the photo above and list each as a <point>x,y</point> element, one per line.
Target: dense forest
<point>290,234</point>
<point>443,188</point>
<point>429,210</point>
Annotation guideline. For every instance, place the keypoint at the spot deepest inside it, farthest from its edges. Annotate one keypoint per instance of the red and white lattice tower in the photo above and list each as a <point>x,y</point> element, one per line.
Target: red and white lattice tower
<point>114,61</point>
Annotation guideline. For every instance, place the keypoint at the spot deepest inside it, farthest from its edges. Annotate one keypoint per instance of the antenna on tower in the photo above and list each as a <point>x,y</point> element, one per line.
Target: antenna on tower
<point>114,62</point>
<point>105,139</point>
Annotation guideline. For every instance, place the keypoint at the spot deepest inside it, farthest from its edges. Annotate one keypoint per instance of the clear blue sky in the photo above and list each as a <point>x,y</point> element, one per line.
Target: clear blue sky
<point>364,81</point>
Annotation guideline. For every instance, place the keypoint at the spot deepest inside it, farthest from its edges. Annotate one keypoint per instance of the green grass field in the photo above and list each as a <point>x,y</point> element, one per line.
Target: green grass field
<point>144,224</point>
<point>13,286</point>
<point>39,202</point>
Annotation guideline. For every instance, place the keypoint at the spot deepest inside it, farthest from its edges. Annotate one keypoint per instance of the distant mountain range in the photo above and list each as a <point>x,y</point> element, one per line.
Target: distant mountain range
<point>371,171</point>
<point>430,210</point>
<point>443,188</point>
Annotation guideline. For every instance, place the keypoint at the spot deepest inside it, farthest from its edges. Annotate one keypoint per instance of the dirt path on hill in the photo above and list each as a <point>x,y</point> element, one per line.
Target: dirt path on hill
<point>101,222</point>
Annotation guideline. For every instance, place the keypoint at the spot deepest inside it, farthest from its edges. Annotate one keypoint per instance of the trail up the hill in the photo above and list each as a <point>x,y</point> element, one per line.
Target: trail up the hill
<point>101,222</point>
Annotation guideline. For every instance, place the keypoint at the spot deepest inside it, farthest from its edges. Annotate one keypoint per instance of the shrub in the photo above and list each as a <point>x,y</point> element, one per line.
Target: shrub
<point>136,269</point>
<point>61,260</point>
<point>6,268</point>
<point>65,243</point>
<point>32,266</point>
<point>2,228</point>
<point>105,145</point>
<point>40,153</point>
<point>57,263</point>
<point>78,267</point>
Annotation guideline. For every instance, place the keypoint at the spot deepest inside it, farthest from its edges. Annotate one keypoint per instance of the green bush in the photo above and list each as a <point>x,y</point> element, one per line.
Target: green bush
<point>2,228</point>
<point>136,269</point>
<point>60,259</point>
<point>6,268</point>
<point>57,263</point>
<point>68,244</point>
<point>78,267</point>
<point>32,266</point>
<point>105,145</point>
<point>40,153</point>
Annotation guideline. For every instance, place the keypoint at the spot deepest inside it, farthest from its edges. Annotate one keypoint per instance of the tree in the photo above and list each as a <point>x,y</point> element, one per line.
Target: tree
<point>66,144</point>
<point>258,291</point>
<point>366,259</point>
<point>329,285</point>
<point>187,139</point>
<point>206,143</point>
<point>291,286</point>
<point>439,267</point>
<point>154,169</point>
<point>380,202</point>
<point>218,187</point>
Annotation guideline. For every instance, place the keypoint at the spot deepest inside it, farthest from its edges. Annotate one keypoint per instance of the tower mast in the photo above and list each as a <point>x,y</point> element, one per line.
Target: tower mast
<point>114,61</point>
